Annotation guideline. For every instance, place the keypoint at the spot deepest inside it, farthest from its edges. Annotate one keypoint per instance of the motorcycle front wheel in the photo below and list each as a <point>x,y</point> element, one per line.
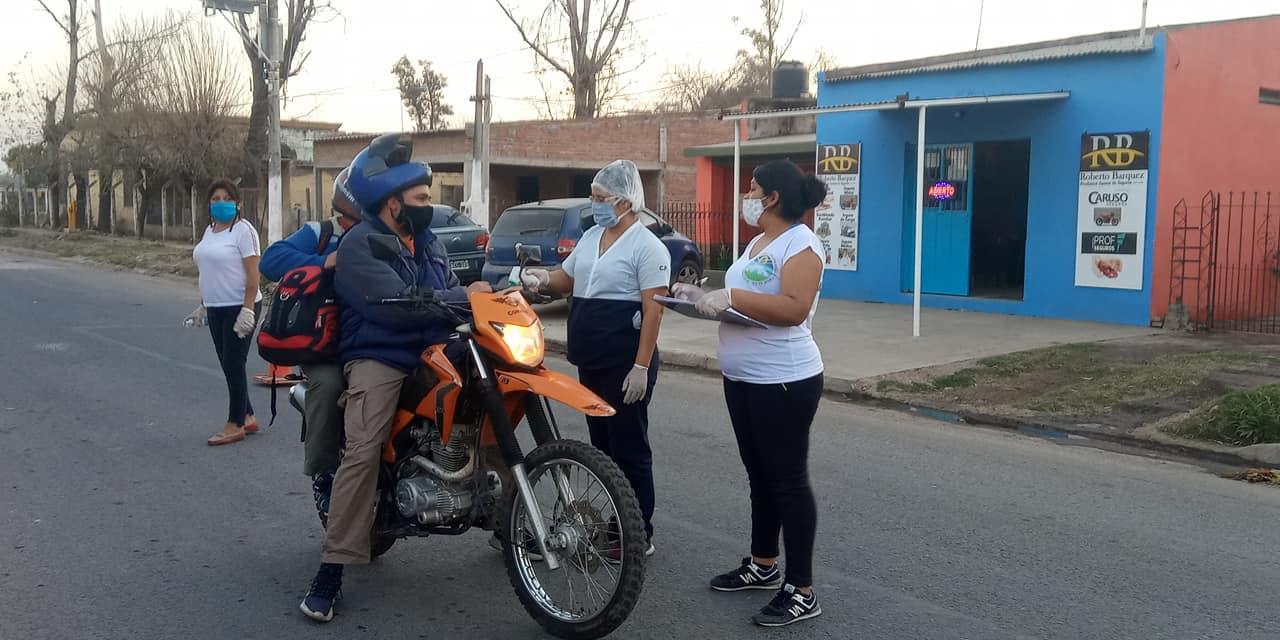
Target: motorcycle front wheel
<point>595,529</point>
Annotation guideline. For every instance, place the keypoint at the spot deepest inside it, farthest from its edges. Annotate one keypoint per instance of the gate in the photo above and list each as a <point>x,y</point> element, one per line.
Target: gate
<point>1225,264</point>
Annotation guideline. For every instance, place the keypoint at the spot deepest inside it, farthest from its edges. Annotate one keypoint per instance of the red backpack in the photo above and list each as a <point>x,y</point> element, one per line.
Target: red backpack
<point>301,327</point>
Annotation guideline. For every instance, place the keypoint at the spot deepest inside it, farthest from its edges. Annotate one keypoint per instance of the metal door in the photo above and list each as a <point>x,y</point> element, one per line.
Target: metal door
<point>948,219</point>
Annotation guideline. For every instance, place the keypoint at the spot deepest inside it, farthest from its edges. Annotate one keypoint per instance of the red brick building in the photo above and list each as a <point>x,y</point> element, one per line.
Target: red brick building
<point>538,160</point>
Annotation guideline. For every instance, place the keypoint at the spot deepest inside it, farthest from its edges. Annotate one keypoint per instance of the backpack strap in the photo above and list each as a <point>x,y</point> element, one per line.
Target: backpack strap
<point>326,234</point>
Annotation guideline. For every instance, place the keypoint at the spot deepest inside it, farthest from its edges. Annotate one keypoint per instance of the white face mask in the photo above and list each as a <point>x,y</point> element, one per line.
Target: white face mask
<point>752,209</point>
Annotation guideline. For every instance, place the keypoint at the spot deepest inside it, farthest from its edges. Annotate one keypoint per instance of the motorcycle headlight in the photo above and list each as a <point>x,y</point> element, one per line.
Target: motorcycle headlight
<point>524,343</point>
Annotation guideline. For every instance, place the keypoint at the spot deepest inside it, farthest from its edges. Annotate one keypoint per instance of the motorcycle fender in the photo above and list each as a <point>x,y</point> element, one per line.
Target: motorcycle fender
<point>556,386</point>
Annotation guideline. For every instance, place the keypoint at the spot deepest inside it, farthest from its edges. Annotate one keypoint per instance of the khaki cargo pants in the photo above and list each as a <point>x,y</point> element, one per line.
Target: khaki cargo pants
<point>373,390</point>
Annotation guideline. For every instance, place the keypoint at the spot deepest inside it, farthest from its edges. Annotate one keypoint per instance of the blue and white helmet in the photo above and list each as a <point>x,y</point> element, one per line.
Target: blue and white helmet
<point>384,169</point>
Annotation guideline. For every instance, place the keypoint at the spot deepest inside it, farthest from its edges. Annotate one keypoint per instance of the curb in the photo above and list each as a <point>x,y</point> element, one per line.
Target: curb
<point>844,390</point>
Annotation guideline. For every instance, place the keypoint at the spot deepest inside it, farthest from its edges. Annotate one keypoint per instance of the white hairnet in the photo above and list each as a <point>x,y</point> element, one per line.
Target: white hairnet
<point>621,178</point>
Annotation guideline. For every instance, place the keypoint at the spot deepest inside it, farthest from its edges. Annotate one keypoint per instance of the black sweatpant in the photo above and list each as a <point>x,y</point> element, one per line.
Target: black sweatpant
<point>625,435</point>
<point>232,353</point>
<point>771,423</point>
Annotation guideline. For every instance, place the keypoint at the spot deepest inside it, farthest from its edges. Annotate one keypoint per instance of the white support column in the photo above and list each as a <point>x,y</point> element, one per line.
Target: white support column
<point>164,213</point>
<point>737,185</point>
<point>919,191</point>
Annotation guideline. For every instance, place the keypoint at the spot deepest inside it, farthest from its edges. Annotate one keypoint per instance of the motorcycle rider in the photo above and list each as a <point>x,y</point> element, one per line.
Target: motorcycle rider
<point>323,416</point>
<point>380,344</point>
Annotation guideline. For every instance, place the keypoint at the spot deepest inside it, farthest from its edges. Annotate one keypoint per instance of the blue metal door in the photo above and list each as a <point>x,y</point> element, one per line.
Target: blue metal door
<point>948,219</point>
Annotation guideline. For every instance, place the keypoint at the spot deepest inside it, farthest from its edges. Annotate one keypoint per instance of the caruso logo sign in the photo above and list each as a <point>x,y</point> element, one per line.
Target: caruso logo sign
<point>1115,151</point>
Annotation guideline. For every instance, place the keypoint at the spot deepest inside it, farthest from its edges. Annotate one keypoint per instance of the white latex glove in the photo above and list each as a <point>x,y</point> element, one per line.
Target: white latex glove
<point>686,291</point>
<point>245,322</point>
<point>198,318</point>
<point>635,385</point>
<point>536,279</point>
<point>715,303</point>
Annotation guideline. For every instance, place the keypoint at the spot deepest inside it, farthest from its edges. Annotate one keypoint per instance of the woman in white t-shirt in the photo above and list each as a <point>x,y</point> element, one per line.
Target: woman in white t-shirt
<point>772,384</point>
<point>227,258</point>
<point>613,275</point>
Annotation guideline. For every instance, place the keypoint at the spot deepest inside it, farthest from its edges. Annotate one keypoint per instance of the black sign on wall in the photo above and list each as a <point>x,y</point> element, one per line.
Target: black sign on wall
<point>1115,151</point>
<point>1109,243</point>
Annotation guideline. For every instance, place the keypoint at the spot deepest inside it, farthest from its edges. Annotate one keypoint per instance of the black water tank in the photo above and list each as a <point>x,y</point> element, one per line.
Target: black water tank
<point>790,80</point>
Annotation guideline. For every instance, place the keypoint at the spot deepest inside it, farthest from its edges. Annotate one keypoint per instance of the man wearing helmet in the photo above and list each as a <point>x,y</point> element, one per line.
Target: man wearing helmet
<point>380,344</point>
<point>316,244</point>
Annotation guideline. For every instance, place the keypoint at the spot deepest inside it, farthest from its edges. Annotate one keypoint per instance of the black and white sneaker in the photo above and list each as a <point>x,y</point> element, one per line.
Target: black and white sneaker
<point>325,589</point>
<point>749,576</point>
<point>788,607</point>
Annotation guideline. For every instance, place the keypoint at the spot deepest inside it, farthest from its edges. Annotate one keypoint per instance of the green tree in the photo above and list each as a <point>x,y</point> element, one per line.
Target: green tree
<point>422,92</point>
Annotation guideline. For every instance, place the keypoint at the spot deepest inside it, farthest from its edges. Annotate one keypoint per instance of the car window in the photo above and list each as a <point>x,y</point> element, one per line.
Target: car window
<point>529,222</point>
<point>449,217</point>
<point>647,219</point>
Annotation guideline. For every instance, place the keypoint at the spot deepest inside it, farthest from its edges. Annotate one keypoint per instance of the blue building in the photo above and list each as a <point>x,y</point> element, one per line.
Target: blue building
<point>1005,134</point>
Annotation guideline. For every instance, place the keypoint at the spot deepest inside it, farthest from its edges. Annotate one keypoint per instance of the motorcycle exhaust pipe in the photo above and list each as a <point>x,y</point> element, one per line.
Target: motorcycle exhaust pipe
<point>448,476</point>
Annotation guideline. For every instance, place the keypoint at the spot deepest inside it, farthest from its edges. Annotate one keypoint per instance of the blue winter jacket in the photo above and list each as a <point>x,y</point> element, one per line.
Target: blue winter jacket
<point>298,250</point>
<point>392,334</point>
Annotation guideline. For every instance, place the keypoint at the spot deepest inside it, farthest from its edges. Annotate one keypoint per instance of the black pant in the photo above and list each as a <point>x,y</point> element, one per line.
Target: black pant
<point>625,435</point>
<point>771,423</point>
<point>232,353</point>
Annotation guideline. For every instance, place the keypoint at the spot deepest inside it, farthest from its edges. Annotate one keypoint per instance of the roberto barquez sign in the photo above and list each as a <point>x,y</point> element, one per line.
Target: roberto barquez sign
<point>1112,209</point>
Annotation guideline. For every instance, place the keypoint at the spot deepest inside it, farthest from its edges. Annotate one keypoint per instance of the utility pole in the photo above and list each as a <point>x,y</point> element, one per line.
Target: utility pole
<point>271,36</point>
<point>476,181</point>
<point>270,49</point>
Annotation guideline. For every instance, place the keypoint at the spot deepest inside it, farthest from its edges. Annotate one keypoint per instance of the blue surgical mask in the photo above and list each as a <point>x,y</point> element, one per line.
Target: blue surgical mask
<point>222,211</point>
<point>604,214</point>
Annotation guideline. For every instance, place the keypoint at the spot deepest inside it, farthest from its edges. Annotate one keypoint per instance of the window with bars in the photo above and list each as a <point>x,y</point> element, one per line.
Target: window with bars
<point>946,178</point>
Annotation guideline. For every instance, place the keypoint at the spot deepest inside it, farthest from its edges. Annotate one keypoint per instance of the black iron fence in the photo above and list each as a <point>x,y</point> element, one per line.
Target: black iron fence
<point>1225,262</point>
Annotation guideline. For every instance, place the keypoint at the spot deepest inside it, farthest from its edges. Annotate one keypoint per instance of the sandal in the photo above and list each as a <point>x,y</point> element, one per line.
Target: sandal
<point>252,427</point>
<point>222,438</point>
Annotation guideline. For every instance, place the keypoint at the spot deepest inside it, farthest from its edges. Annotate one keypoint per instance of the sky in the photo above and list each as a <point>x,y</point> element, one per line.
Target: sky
<point>347,78</point>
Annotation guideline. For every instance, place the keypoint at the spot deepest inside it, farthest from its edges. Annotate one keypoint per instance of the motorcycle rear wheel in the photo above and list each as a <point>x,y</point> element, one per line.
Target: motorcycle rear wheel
<point>587,532</point>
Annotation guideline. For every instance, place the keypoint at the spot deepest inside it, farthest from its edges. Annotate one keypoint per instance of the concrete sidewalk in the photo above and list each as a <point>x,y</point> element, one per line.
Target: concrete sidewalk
<point>861,340</point>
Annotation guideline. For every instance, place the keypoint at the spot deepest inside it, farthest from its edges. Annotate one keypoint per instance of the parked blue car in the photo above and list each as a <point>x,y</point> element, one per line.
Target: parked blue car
<point>556,226</point>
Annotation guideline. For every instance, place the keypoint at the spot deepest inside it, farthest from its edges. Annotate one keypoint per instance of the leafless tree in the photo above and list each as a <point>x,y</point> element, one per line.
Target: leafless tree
<point>298,17</point>
<point>115,116</point>
<point>580,40</point>
<point>196,88</point>
<point>770,45</point>
<point>56,127</point>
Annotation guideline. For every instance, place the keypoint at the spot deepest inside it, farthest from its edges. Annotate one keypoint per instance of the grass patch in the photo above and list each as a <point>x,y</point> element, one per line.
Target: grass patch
<point>905,387</point>
<point>1077,357</point>
<point>1240,418</point>
<point>1099,388</point>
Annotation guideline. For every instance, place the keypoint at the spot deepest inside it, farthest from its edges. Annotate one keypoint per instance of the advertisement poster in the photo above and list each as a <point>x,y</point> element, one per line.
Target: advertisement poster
<point>836,219</point>
<point>1112,209</point>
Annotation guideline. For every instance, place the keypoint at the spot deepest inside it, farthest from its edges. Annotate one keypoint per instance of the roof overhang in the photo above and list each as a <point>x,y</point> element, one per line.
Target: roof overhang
<point>776,146</point>
<point>902,102</point>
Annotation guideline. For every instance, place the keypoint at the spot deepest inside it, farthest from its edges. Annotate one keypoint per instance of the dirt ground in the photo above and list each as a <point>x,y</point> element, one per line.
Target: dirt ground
<point>1113,387</point>
<point>144,256</point>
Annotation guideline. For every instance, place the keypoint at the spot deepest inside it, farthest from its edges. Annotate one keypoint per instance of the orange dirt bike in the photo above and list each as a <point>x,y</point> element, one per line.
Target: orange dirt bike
<point>452,463</point>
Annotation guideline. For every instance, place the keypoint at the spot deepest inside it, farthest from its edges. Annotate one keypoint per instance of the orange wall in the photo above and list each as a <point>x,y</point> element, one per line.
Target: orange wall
<point>1216,134</point>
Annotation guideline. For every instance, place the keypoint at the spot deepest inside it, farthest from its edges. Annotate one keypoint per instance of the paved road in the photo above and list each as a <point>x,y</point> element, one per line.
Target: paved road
<point>118,522</point>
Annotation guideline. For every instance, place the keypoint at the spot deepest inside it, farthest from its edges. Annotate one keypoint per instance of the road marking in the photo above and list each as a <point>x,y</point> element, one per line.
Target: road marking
<point>216,373</point>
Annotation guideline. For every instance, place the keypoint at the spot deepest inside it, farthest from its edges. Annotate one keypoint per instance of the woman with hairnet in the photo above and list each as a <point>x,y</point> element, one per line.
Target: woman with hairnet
<point>613,274</point>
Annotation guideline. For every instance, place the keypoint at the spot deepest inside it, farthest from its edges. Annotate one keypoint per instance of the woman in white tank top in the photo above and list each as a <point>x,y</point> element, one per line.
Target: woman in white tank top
<point>773,383</point>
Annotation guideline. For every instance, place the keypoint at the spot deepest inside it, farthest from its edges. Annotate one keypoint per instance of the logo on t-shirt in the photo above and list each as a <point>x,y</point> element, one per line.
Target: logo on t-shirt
<point>760,270</point>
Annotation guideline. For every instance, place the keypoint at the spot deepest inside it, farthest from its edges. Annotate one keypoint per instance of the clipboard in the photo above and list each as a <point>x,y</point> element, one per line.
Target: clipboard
<point>731,316</point>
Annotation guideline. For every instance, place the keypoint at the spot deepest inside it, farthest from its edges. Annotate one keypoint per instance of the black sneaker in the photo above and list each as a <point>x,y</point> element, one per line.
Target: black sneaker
<point>749,576</point>
<point>321,489</point>
<point>789,606</point>
<point>325,588</point>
